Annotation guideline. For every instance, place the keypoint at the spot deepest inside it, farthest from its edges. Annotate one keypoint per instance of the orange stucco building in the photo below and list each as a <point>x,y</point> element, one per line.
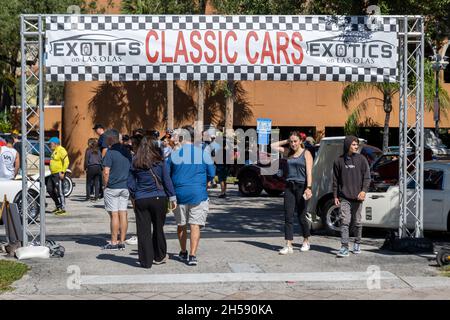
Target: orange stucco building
<point>125,106</point>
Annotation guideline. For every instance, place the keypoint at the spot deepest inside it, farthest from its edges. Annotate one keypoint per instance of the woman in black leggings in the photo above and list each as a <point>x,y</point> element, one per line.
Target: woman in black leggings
<point>298,191</point>
<point>150,189</point>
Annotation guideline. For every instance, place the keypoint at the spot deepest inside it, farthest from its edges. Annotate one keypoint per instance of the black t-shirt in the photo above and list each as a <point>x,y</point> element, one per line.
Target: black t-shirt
<point>18,147</point>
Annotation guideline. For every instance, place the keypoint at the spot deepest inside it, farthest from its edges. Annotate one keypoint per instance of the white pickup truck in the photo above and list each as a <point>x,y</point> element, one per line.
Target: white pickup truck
<point>382,209</point>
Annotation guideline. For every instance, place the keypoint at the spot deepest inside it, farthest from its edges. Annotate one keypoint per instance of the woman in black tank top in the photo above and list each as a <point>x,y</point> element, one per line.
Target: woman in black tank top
<point>298,190</point>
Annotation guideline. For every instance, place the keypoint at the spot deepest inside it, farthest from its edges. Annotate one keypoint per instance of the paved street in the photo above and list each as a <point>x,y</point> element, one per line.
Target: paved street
<point>238,259</point>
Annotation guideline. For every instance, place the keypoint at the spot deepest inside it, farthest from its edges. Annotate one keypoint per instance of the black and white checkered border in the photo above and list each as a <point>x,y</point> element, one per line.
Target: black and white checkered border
<point>182,22</point>
<point>218,72</point>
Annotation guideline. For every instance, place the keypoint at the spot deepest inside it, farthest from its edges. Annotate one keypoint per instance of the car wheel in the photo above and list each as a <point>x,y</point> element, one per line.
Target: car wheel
<point>67,185</point>
<point>443,257</point>
<point>331,217</point>
<point>250,185</point>
<point>33,197</point>
<point>273,193</point>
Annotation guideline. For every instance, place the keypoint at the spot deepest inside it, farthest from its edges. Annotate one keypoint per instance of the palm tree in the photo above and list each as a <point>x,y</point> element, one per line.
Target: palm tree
<point>164,7</point>
<point>351,92</point>
<point>388,90</point>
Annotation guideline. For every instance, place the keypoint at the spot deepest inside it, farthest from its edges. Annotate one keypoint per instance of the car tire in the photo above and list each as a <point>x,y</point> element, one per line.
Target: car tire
<point>67,185</point>
<point>250,185</point>
<point>35,209</point>
<point>443,257</point>
<point>273,193</point>
<point>330,218</point>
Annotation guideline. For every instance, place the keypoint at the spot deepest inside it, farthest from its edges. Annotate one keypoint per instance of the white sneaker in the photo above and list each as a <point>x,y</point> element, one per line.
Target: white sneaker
<point>305,247</point>
<point>132,241</point>
<point>286,250</point>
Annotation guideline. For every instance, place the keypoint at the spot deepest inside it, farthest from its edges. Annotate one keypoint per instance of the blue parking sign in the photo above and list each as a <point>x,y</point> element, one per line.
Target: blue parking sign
<point>263,138</point>
<point>263,125</point>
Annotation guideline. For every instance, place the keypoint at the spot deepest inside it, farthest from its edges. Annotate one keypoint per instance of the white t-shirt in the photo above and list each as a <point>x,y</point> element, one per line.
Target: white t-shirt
<point>8,159</point>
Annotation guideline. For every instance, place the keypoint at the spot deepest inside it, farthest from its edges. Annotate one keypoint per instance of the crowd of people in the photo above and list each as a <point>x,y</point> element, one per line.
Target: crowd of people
<point>164,174</point>
<point>148,170</point>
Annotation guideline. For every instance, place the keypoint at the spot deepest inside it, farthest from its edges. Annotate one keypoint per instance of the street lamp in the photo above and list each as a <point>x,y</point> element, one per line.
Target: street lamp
<point>439,63</point>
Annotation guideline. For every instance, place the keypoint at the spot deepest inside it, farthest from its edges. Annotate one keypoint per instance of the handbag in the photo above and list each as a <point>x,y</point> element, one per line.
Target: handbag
<point>161,186</point>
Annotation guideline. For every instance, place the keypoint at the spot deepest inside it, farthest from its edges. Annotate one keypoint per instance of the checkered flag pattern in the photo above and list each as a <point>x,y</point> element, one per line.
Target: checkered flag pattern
<point>219,72</point>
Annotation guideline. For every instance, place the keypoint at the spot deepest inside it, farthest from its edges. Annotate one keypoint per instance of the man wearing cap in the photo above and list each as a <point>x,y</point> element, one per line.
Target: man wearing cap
<point>59,163</point>
<point>100,130</point>
<point>102,146</point>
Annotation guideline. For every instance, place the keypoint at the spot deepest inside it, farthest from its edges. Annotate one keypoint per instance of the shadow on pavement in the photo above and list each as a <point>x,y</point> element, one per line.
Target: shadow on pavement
<point>238,219</point>
<point>319,248</point>
<point>120,259</point>
<point>92,240</point>
<point>261,245</point>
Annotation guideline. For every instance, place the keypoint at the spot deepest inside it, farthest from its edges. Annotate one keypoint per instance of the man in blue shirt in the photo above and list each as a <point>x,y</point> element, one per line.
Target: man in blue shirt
<point>192,169</point>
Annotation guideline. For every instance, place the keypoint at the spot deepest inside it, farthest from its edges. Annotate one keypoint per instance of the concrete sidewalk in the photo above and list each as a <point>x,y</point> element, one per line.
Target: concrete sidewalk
<point>238,259</point>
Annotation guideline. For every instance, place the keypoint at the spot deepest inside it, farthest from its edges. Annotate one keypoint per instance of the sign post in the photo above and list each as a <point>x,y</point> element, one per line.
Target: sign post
<point>263,128</point>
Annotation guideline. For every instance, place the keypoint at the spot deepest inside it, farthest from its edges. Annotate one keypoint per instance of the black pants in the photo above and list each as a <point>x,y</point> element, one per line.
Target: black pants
<point>101,183</point>
<point>150,220</point>
<point>293,200</point>
<point>93,180</point>
<point>55,190</point>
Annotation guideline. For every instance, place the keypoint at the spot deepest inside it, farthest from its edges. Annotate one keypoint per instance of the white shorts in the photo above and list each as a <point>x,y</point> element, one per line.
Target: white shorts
<point>116,199</point>
<point>192,214</point>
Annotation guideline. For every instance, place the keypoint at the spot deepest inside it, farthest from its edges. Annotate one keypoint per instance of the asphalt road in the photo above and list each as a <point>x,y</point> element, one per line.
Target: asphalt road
<point>238,251</point>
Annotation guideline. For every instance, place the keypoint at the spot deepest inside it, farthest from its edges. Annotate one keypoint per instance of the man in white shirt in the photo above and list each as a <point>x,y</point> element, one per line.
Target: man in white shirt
<point>10,160</point>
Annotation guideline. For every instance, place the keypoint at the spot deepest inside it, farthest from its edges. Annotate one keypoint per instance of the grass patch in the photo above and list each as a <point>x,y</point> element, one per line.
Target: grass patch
<point>446,271</point>
<point>10,271</point>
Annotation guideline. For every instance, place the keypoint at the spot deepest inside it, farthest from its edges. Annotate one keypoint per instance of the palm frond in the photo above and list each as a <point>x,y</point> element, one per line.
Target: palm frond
<point>352,123</point>
<point>352,91</point>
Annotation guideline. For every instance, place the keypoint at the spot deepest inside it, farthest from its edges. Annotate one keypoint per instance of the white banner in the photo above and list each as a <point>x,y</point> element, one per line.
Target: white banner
<point>83,48</point>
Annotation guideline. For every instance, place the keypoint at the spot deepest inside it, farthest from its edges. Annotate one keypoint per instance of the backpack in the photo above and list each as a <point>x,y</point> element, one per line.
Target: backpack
<point>94,158</point>
<point>56,250</point>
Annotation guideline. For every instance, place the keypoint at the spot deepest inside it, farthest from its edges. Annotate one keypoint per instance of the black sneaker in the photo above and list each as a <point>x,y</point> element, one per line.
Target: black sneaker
<point>121,246</point>
<point>110,246</point>
<point>222,196</point>
<point>192,261</point>
<point>183,256</point>
<point>164,260</point>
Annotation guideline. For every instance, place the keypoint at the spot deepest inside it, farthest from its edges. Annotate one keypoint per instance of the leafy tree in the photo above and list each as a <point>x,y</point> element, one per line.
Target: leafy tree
<point>163,7</point>
<point>259,7</point>
<point>388,90</point>
<point>10,37</point>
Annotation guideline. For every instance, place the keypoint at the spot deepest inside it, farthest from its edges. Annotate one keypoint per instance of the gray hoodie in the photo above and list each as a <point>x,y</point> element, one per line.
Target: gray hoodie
<point>351,174</point>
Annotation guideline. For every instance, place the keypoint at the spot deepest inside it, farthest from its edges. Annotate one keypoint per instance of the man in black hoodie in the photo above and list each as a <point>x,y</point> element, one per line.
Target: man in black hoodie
<point>351,180</point>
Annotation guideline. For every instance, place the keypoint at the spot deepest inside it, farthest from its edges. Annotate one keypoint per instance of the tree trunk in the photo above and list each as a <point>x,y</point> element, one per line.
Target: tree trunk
<point>386,131</point>
<point>170,106</point>
<point>229,107</point>
<point>200,104</point>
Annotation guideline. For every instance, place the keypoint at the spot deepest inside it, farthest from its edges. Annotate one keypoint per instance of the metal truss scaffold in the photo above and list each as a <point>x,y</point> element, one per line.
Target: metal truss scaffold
<point>411,127</point>
<point>411,81</point>
<point>32,92</point>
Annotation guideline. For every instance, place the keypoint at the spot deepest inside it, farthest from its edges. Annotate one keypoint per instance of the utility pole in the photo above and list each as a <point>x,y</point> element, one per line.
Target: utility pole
<point>439,63</point>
